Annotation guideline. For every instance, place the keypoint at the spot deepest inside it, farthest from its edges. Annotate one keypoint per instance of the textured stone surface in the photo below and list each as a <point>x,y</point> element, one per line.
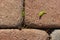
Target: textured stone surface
<point>55,35</point>
<point>24,34</point>
<point>10,12</point>
<point>49,20</point>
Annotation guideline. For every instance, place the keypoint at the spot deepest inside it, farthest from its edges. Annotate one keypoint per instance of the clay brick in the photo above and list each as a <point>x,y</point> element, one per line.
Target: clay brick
<point>49,20</point>
<point>10,12</point>
<point>55,35</point>
<point>24,34</point>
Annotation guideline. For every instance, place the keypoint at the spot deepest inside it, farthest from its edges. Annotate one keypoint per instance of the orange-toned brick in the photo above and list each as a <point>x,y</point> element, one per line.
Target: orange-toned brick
<point>49,20</point>
<point>10,12</point>
<point>24,34</point>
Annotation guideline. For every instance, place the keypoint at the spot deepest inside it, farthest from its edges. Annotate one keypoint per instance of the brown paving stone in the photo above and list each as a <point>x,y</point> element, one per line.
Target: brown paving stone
<point>24,34</point>
<point>10,12</point>
<point>49,20</point>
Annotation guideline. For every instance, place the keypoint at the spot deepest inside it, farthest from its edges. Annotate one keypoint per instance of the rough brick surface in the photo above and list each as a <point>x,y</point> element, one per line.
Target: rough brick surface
<point>24,34</point>
<point>10,12</point>
<point>55,35</point>
<point>49,20</point>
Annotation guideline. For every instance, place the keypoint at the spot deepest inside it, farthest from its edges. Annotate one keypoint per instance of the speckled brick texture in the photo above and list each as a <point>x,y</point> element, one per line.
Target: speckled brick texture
<point>10,12</point>
<point>55,35</point>
<point>49,20</point>
<point>24,34</point>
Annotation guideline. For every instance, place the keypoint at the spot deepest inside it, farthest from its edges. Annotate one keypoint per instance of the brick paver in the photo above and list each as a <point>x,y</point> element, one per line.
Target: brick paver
<point>55,35</point>
<point>49,20</point>
<point>24,34</point>
<point>10,12</point>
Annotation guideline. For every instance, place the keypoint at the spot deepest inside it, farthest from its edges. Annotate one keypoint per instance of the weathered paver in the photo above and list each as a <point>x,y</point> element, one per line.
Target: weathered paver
<point>55,35</point>
<point>49,20</point>
<point>24,34</point>
<point>10,12</point>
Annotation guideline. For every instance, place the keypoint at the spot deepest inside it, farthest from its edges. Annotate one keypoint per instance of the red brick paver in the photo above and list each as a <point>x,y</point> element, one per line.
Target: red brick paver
<point>49,20</point>
<point>24,34</point>
<point>10,12</point>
